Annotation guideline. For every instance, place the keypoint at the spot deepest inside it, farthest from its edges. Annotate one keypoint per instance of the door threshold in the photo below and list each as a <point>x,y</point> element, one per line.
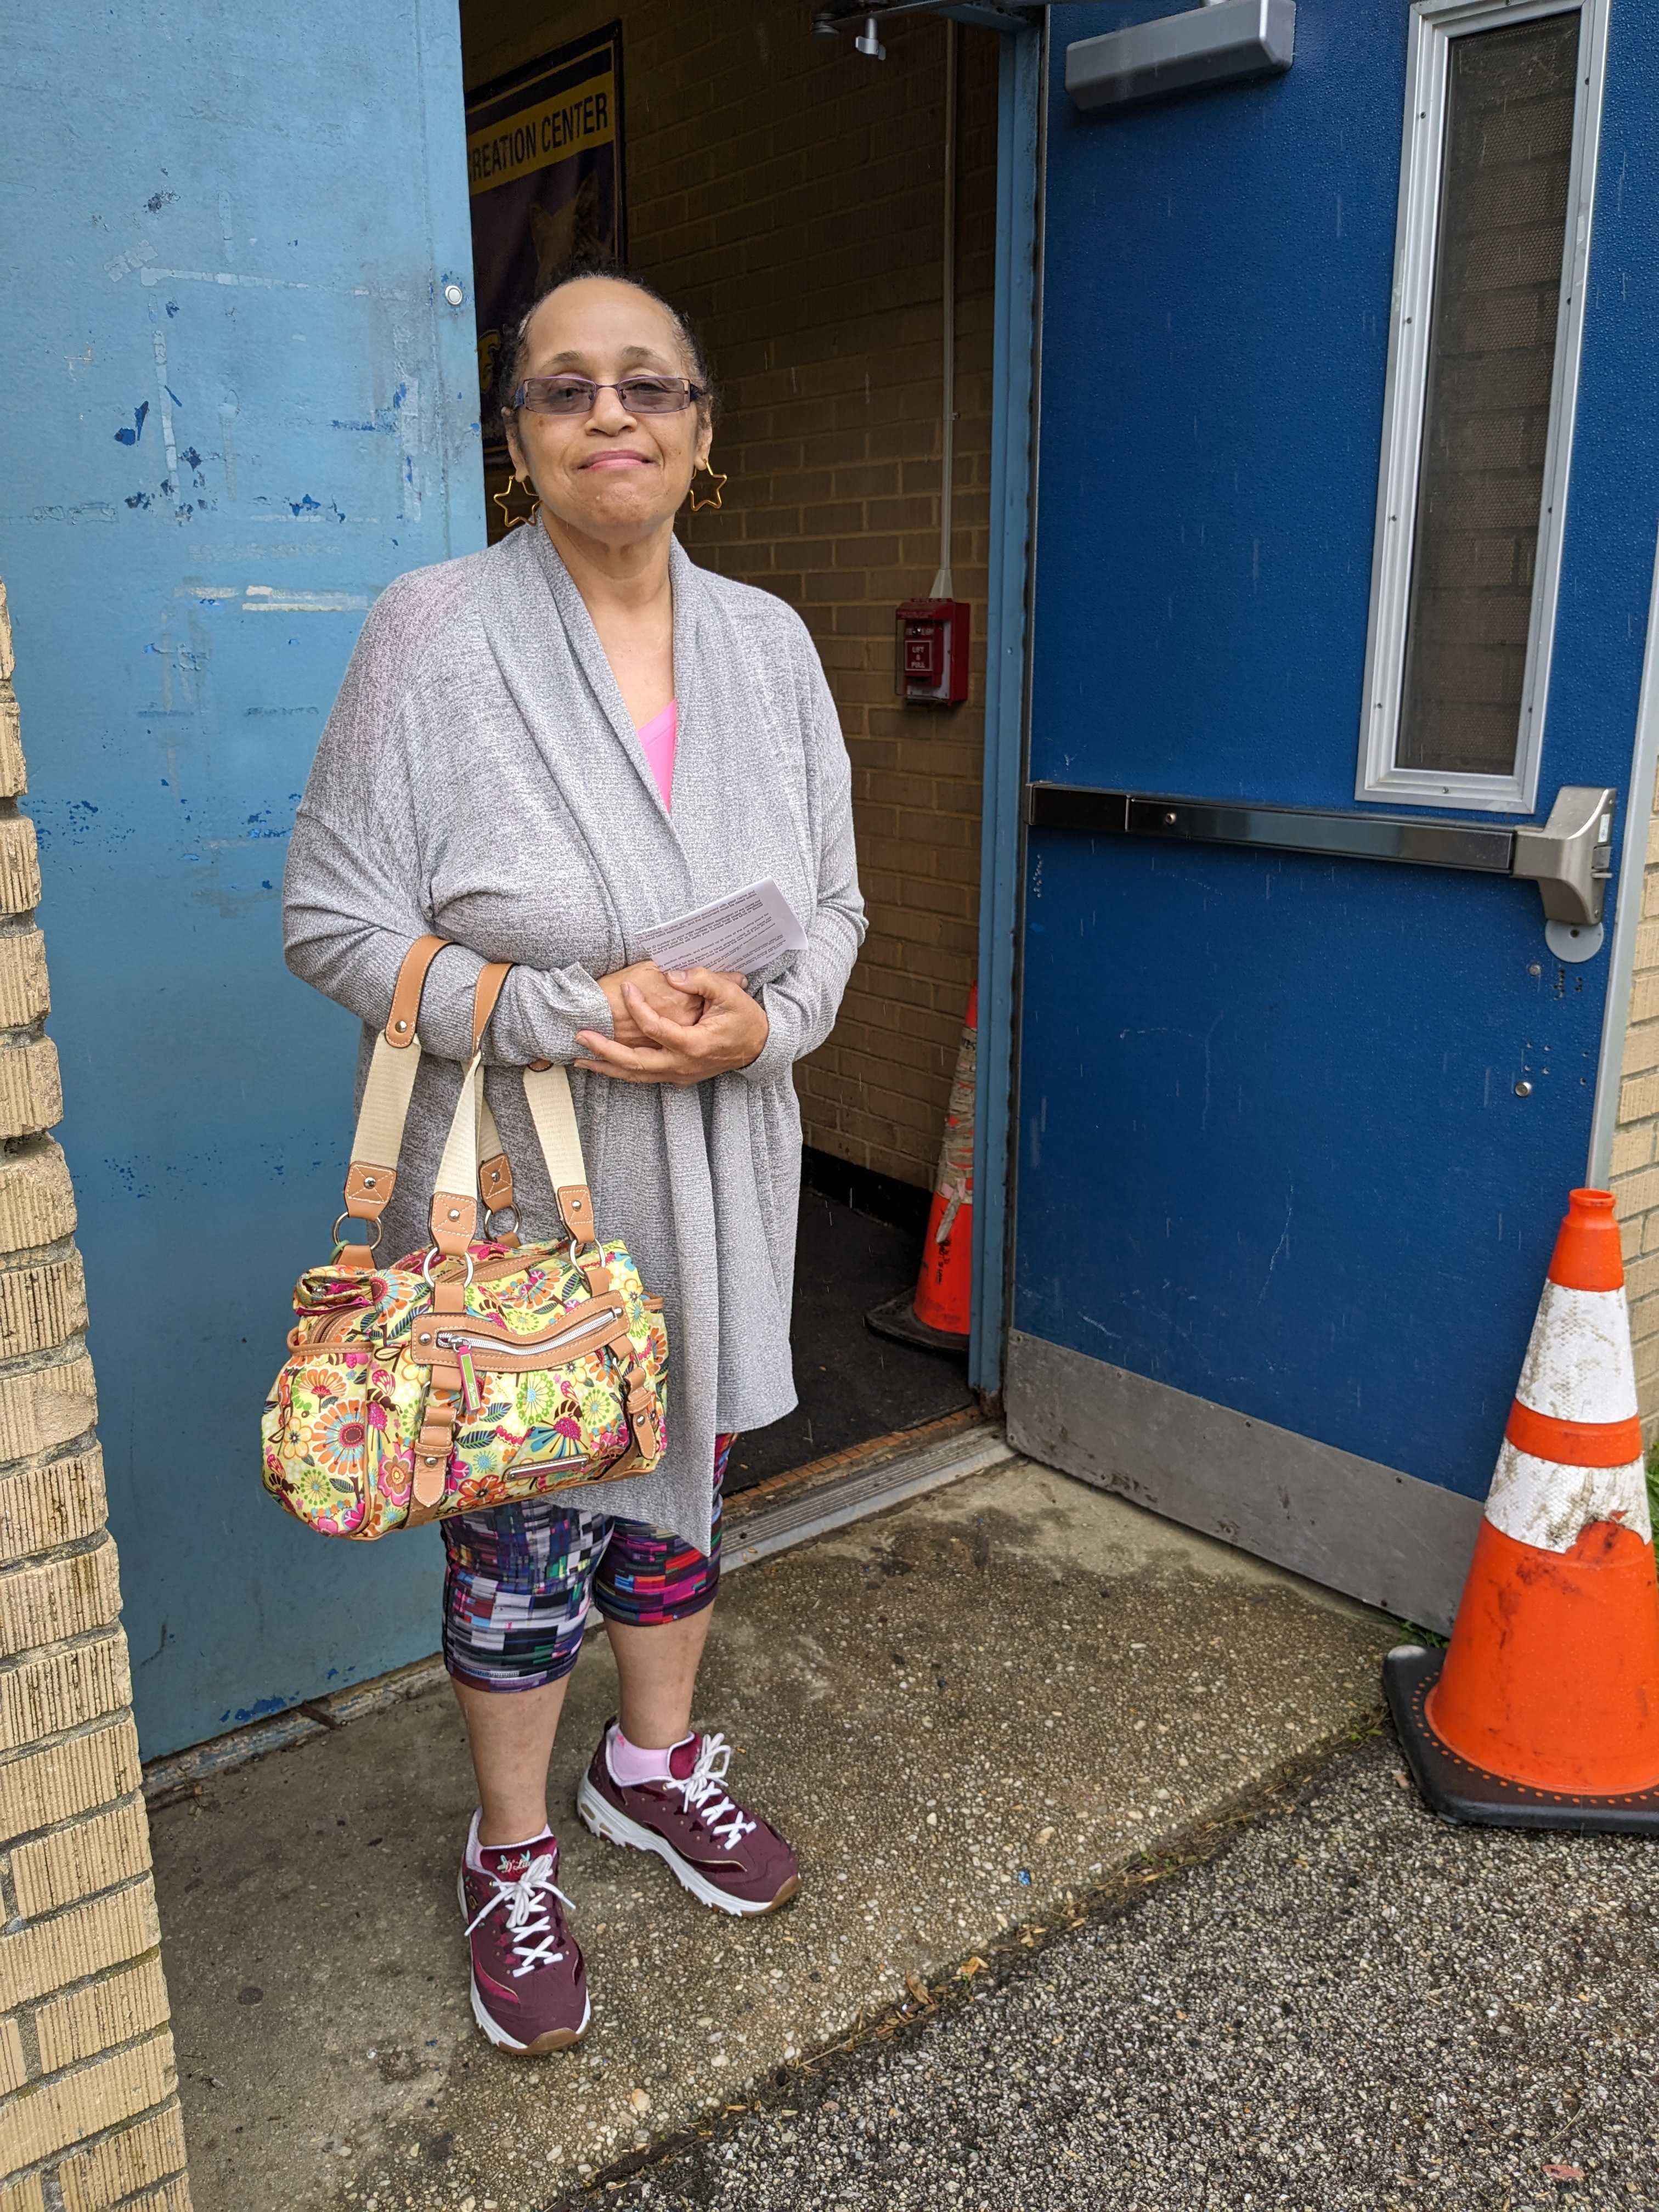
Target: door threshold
<point>786,1510</point>
<point>848,1487</point>
<point>855,1459</point>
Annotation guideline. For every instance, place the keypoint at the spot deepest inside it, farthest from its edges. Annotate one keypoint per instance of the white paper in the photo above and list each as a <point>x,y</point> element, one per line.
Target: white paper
<point>740,934</point>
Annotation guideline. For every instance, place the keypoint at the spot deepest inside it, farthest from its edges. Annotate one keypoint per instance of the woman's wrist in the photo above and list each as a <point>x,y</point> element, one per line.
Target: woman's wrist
<point>763,1034</point>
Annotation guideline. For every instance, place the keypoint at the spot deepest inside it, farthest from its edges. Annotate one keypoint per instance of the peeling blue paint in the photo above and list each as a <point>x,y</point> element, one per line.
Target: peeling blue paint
<point>131,437</point>
<point>258,1712</point>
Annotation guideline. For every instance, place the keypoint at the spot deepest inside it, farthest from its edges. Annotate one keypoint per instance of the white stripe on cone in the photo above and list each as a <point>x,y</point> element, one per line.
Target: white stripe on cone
<point>1578,1365</point>
<point>1541,1503</point>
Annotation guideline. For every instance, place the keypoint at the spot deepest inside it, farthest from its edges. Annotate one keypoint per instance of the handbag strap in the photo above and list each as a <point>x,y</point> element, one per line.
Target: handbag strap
<point>462,1177</point>
<point>379,1137</point>
<point>455,1193</point>
<point>547,1094</point>
<point>495,1169</point>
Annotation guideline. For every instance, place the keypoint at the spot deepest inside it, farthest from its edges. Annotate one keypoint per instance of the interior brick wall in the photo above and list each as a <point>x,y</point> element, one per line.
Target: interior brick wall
<point>88,2109</point>
<point>788,194</point>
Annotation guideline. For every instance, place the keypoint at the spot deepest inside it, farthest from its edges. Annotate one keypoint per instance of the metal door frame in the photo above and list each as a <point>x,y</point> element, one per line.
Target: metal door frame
<point>1022,110</point>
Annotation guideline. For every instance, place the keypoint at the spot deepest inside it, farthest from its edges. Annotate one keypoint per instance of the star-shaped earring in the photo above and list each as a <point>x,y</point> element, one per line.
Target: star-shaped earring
<point>500,499</point>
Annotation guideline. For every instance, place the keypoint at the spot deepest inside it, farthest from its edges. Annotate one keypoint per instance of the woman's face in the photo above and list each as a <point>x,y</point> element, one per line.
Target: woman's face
<point>608,475</point>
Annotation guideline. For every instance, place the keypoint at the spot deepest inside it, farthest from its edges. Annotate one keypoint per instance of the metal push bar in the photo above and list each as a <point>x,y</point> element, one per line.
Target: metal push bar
<point>1569,857</point>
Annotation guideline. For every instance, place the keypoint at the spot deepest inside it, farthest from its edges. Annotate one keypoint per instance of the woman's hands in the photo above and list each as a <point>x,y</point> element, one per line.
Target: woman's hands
<point>729,1031</point>
<point>660,994</point>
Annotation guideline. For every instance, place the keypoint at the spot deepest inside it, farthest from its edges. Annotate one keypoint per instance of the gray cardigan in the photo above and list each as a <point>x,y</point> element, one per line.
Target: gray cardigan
<point>480,776</point>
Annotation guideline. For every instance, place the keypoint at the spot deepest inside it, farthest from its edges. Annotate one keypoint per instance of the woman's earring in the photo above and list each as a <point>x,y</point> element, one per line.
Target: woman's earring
<point>719,481</point>
<point>509,520</point>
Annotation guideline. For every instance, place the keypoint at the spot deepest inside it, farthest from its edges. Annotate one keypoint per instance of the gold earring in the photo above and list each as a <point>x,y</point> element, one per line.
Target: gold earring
<point>509,520</point>
<point>715,477</point>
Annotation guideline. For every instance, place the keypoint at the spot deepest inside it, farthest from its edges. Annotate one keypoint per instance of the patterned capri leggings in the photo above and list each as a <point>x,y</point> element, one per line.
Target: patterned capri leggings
<point>520,1581</point>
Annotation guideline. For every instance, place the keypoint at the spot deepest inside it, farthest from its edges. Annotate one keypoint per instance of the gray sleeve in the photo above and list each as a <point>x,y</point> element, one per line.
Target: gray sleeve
<point>355,891</point>
<point>801,1004</point>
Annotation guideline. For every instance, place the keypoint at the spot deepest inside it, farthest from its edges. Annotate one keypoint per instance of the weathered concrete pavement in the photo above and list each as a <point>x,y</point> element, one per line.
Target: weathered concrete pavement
<point>963,1712</point>
<point>1351,2009</point>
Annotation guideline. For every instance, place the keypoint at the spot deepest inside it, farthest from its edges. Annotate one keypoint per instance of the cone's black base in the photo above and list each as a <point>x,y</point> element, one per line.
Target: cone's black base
<point>898,1318</point>
<point>1458,1791</point>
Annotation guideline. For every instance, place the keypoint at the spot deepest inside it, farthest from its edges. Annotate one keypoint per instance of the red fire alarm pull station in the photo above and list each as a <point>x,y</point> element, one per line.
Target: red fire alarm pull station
<point>933,653</point>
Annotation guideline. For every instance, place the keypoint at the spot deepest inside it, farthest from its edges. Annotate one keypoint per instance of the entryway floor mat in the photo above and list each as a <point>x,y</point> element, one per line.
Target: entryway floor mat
<point>853,1385</point>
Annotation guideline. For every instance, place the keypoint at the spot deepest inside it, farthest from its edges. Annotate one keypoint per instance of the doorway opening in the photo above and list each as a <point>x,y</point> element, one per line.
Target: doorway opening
<point>794,196</point>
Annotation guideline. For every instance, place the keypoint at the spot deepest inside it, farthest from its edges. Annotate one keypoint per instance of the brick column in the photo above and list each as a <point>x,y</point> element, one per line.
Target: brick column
<point>1635,1176</point>
<point>88,2109</point>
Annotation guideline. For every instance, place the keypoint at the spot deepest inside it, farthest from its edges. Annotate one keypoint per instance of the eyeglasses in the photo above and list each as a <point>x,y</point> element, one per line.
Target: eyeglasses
<point>578,395</point>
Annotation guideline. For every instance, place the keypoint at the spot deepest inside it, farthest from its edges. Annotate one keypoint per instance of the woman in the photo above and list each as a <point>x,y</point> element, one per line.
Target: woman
<point>537,751</point>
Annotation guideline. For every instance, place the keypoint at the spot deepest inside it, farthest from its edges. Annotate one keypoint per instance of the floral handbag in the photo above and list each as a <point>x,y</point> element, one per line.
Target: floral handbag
<point>481,1372</point>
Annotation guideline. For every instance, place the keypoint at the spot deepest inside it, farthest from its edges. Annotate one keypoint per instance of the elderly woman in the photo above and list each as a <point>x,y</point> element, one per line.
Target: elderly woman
<point>539,751</point>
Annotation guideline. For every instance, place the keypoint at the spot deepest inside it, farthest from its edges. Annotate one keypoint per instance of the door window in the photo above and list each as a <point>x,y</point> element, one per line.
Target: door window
<point>1495,198</point>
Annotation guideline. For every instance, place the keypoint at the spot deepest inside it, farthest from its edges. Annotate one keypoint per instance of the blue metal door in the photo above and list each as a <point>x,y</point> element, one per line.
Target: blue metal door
<point>237,369</point>
<point>1293,1133</point>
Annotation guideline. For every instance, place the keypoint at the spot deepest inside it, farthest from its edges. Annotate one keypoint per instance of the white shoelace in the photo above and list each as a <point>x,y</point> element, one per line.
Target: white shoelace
<point>703,1794</point>
<point>528,1920</point>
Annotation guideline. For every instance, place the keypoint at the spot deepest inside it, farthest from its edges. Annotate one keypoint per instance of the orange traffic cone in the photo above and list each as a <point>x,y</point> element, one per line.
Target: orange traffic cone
<point>939,1314</point>
<point>1543,1713</point>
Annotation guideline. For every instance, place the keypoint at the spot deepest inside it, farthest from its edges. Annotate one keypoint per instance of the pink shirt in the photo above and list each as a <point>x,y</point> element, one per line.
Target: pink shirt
<point>659,737</point>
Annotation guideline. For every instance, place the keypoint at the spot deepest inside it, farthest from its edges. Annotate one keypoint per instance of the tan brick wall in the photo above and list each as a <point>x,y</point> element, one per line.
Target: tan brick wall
<point>788,194</point>
<point>88,2103</point>
<point>1635,1176</point>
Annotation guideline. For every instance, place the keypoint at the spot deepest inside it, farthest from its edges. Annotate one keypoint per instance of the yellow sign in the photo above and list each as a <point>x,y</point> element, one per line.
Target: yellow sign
<point>537,138</point>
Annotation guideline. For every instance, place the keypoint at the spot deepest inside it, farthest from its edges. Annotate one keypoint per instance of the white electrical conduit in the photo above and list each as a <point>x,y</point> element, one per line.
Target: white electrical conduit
<point>942,585</point>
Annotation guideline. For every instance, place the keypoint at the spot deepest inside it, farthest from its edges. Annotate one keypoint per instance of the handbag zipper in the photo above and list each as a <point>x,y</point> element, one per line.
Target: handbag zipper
<point>464,1347</point>
<point>454,1339</point>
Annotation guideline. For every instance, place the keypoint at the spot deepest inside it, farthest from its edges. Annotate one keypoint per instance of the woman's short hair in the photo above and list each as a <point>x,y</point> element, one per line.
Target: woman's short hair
<point>511,353</point>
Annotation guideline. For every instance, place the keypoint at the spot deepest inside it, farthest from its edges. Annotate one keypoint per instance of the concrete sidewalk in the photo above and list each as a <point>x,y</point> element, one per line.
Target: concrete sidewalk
<point>965,1712</point>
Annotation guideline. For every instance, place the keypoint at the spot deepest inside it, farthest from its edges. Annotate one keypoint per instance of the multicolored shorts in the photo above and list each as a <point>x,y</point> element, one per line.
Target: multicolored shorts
<point>520,1581</point>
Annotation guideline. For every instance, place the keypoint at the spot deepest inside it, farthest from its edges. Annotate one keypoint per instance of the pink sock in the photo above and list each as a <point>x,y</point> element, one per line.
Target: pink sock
<point>474,1850</point>
<point>629,1764</point>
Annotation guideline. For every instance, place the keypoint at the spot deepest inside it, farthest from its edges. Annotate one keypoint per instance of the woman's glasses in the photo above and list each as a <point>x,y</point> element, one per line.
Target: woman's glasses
<point>577,395</point>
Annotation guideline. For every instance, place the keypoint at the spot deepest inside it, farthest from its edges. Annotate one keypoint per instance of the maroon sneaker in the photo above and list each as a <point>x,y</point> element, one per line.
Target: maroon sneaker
<point>529,1986</point>
<point>723,1855</point>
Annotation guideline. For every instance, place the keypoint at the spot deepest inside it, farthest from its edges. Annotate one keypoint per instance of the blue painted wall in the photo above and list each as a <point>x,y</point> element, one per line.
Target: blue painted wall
<point>238,404</point>
<point>1270,1148</point>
